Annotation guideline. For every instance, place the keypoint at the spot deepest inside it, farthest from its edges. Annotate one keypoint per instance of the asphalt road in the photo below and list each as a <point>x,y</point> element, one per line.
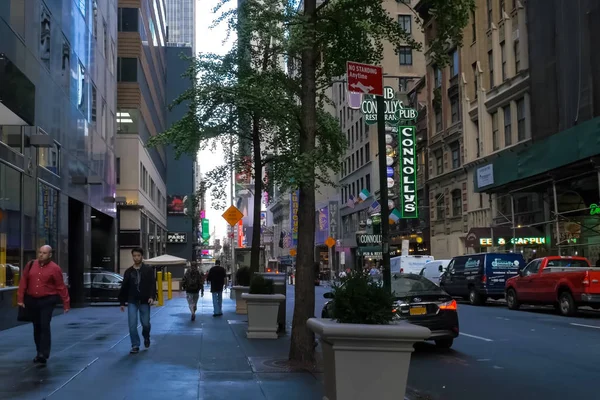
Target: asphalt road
<point>516,355</point>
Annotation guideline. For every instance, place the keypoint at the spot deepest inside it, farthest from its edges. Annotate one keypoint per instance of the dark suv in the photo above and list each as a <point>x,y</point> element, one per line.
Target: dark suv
<point>103,286</point>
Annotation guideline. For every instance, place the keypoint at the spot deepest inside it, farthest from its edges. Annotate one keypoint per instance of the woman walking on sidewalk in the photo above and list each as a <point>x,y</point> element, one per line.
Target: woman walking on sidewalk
<point>193,284</point>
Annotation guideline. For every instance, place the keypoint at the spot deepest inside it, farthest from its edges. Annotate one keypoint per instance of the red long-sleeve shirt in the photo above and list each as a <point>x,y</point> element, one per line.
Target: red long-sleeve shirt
<point>40,281</point>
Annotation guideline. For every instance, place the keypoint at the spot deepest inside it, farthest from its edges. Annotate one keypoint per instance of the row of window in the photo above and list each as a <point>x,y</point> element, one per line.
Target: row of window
<point>149,187</point>
<point>356,187</point>
<point>456,203</point>
<point>438,156</point>
<point>357,131</point>
<point>356,160</point>
<point>508,125</point>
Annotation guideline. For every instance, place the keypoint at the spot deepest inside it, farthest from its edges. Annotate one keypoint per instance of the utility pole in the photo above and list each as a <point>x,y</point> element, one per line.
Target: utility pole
<point>383,195</point>
<point>232,194</point>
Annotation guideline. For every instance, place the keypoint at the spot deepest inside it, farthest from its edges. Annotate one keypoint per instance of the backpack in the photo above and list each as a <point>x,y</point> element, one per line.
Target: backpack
<point>193,282</point>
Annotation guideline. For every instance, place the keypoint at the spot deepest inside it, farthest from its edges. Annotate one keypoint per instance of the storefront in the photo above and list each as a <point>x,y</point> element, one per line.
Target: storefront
<point>527,241</point>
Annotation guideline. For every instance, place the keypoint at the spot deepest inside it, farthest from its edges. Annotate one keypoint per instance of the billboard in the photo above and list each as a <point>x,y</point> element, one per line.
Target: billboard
<point>176,205</point>
<point>294,216</point>
<point>408,172</point>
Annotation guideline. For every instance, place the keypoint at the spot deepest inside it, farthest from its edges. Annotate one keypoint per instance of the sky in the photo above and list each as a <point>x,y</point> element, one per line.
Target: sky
<point>211,41</point>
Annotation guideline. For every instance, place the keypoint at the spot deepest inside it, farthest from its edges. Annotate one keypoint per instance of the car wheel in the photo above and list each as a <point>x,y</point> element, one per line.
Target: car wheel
<point>445,343</point>
<point>475,298</point>
<point>566,304</point>
<point>511,299</point>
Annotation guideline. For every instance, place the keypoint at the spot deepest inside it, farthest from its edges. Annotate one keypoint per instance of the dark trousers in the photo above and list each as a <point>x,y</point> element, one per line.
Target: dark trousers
<point>41,309</point>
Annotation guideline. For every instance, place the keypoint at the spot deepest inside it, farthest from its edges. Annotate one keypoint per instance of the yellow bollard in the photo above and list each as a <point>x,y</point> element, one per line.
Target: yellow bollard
<point>159,281</point>
<point>17,277</point>
<point>169,286</point>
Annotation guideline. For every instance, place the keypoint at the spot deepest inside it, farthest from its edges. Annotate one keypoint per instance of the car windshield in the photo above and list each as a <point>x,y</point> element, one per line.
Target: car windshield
<point>409,284</point>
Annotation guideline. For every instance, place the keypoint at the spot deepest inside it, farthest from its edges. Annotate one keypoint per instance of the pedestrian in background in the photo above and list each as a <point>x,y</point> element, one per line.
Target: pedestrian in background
<point>216,277</point>
<point>40,289</point>
<point>193,284</point>
<point>138,292</point>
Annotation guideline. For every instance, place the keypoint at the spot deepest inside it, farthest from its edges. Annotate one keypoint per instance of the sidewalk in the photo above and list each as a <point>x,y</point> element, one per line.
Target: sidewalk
<point>206,359</point>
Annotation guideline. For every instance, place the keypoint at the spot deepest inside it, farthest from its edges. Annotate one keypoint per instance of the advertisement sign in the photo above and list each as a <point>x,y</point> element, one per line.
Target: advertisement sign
<point>390,172</point>
<point>394,109</point>
<point>408,172</point>
<point>294,216</point>
<point>177,237</point>
<point>334,216</point>
<point>205,230</point>
<point>176,205</point>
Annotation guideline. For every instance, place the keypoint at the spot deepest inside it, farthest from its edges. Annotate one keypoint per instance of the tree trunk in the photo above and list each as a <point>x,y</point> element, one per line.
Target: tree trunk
<point>255,250</point>
<point>302,347</point>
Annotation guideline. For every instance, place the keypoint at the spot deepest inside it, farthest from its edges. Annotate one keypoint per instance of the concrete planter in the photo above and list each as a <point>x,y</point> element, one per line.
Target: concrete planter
<point>377,356</point>
<point>240,303</point>
<point>262,315</point>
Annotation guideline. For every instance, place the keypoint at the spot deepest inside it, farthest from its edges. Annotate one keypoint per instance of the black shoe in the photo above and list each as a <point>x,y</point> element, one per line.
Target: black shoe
<point>193,317</point>
<point>134,350</point>
<point>147,342</point>
<point>39,360</point>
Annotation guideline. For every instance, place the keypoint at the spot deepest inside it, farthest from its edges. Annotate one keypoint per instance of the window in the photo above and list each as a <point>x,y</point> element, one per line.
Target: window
<point>49,158</point>
<point>491,64</point>
<point>456,203</point>
<point>405,23</point>
<point>495,132</point>
<point>81,5</point>
<point>475,82</point>
<point>81,89</point>
<point>362,183</point>
<point>362,158</point>
<point>440,207</point>
<point>532,268</point>
<point>507,126</point>
<point>454,65</point>
<point>141,175</point>
<point>437,76</point>
<point>353,163</point>
<point>503,54</point>
<point>517,57</point>
<point>367,152</point>
<point>455,108</point>
<point>48,216</point>
<point>104,38</point>
<point>45,31</point>
<point>455,150</point>
<point>405,53</point>
<point>439,162</point>
<point>489,14</point>
<point>128,20</point>
<point>438,121</point>
<point>521,129</point>
<point>95,17</point>
<point>94,104</point>
<point>501,7</point>
<point>126,69</point>
<point>473,26</point>
<point>10,228</point>
<point>368,182</point>
<point>118,169</point>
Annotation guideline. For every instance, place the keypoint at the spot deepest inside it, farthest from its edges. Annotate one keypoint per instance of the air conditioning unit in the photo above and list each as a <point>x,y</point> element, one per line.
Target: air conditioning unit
<point>37,137</point>
<point>515,35</point>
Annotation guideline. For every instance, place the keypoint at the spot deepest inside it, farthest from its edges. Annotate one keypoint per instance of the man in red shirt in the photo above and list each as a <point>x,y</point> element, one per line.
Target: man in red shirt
<point>40,289</point>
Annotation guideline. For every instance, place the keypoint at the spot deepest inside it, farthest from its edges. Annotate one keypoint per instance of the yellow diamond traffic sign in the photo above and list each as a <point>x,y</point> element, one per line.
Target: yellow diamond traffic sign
<point>293,252</point>
<point>232,215</point>
<point>330,242</point>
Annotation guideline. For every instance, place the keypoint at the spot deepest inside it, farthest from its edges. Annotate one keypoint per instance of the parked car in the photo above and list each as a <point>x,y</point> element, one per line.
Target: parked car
<point>565,282</point>
<point>477,277</point>
<point>420,302</point>
<point>104,286</point>
<point>433,270</point>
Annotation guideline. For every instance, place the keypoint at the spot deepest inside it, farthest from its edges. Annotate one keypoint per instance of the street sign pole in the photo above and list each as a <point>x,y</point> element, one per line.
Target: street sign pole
<point>383,193</point>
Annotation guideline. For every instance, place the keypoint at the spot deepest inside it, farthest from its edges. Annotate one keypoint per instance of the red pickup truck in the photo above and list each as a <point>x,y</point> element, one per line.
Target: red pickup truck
<point>565,282</point>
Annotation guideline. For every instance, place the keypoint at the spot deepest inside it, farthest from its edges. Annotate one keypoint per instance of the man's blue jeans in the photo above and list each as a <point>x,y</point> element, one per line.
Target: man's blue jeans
<point>217,303</point>
<point>132,314</point>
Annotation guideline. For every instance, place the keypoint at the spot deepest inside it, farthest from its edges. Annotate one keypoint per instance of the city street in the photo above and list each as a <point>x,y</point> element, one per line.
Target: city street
<point>503,354</point>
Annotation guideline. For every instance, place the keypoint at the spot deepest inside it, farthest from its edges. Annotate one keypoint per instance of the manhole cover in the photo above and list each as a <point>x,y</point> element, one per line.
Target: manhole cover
<point>260,364</point>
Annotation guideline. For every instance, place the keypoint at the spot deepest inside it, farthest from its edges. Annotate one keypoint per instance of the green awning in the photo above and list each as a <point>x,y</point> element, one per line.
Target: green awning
<point>556,151</point>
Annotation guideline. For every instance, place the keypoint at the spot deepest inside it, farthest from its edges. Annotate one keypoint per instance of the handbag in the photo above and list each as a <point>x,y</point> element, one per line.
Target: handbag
<point>23,314</point>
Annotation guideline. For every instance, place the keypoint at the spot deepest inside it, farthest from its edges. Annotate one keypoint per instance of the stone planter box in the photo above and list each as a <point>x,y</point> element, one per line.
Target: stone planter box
<point>240,303</point>
<point>377,356</point>
<point>262,315</point>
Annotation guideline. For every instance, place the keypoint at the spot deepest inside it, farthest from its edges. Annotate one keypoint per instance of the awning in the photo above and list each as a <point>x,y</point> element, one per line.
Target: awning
<point>166,259</point>
<point>502,235</point>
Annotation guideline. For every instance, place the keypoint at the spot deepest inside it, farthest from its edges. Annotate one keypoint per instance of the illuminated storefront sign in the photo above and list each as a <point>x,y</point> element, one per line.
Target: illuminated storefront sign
<point>594,209</point>
<point>394,109</point>
<point>408,172</point>
<point>519,241</point>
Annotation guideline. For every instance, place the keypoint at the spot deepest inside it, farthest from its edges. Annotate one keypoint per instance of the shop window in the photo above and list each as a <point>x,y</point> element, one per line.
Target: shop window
<point>49,158</point>
<point>126,69</point>
<point>128,20</point>
<point>47,216</point>
<point>457,203</point>
<point>10,225</point>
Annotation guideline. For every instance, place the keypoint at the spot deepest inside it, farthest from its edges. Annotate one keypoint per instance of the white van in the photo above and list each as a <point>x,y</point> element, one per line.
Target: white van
<point>434,269</point>
<point>409,264</point>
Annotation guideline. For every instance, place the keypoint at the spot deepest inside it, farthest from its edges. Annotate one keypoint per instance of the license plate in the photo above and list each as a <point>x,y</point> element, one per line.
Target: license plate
<point>418,311</point>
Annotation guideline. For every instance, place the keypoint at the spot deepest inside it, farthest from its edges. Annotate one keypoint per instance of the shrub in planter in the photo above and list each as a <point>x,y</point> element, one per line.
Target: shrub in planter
<point>243,276</point>
<point>260,285</point>
<point>358,299</point>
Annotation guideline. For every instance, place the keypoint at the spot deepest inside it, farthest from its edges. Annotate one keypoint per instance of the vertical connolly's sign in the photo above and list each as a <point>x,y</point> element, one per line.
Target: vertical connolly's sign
<point>333,219</point>
<point>408,172</point>
<point>294,217</point>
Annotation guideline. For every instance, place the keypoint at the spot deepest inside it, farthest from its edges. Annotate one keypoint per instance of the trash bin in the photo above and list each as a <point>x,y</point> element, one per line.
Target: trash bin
<point>280,287</point>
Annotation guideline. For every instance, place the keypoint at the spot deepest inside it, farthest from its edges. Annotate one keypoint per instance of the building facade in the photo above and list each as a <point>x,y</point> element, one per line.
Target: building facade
<point>57,138</point>
<point>141,114</point>
<point>403,68</point>
<point>181,23</point>
<point>547,192</point>
<point>181,174</point>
